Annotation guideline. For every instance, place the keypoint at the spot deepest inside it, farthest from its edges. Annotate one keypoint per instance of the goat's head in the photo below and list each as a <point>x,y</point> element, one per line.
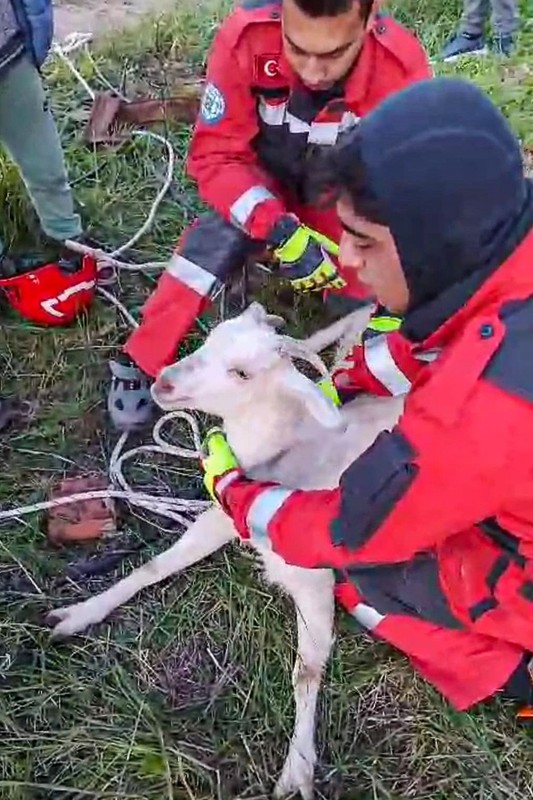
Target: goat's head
<point>242,360</point>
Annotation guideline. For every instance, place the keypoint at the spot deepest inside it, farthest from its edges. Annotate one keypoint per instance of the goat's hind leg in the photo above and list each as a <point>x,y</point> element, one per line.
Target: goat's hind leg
<point>208,533</point>
<point>312,592</point>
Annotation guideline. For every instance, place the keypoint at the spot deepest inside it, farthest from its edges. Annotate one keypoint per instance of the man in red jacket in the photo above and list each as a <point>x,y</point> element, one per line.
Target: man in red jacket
<point>282,82</point>
<point>431,529</point>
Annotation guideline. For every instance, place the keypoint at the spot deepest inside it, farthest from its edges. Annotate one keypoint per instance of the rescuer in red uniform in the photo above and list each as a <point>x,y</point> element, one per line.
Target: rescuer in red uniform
<point>282,82</point>
<point>430,531</point>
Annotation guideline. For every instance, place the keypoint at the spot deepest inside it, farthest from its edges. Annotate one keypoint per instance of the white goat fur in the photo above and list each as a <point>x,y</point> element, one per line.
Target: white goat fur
<point>281,428</point>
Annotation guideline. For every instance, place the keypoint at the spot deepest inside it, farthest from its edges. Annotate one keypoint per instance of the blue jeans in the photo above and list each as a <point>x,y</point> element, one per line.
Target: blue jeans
<point>504,16</point>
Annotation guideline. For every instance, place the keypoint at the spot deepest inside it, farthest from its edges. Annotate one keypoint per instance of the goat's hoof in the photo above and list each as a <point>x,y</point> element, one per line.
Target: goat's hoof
<point>296,778</point>
<point>69,620</point>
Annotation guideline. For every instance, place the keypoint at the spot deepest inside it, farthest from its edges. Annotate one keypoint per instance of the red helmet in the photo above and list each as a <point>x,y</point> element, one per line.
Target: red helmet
<point>52,294</point>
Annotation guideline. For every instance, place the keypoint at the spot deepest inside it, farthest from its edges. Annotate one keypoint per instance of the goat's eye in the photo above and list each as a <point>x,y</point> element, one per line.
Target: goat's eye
<point>240,373</point>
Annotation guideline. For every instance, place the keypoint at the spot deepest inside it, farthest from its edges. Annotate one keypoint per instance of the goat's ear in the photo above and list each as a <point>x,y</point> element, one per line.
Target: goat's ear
<point>259,314</point>
<point>318,405</point>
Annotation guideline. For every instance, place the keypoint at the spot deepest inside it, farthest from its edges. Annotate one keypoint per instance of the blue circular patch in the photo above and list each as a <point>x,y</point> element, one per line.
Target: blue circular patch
<point>213,105</point>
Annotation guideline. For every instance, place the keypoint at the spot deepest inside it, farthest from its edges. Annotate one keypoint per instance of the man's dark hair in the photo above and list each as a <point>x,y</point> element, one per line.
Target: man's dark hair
<point>332,8</point>
<point>341,172</point>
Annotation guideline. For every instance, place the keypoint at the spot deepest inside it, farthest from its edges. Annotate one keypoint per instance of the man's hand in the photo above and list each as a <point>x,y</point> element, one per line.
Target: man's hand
<point>219,462</point>
<point>303,256</point>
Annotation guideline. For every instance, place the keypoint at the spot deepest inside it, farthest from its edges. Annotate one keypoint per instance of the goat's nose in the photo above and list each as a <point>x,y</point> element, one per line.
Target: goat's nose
<point>163,385</point>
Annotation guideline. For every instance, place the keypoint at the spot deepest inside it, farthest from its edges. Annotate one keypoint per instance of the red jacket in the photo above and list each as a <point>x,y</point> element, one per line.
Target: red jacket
<point>247,149</point>
<point>446,495</point>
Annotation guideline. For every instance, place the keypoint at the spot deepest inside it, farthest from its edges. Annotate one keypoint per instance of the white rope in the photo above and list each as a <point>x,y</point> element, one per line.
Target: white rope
<point>169,507</point>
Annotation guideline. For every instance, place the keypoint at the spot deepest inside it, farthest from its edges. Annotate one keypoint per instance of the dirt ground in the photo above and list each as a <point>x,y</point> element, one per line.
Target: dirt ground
<point>99,16</point>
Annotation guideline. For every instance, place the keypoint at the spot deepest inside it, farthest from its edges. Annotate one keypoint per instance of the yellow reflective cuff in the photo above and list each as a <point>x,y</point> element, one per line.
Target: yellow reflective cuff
<point>384,324</point>
<point>327,387</point>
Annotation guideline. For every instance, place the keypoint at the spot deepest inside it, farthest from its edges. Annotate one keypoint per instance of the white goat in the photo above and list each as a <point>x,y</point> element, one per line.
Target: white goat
<point>283,429</point>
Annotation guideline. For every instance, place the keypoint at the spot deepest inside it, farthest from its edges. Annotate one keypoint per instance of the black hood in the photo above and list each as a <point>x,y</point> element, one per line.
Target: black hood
<point>447,175</point>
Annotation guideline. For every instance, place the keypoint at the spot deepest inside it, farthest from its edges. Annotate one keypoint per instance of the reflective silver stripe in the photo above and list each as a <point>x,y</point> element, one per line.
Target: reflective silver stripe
<point>367,616</point>
<point>243,207</point>
<point>327,132</point>
<point>278,115</point>
<point>263,508</point>
<point>272,114</point>
<point>323,132</point>
<point>381,364</point>
<point>226,481</point>
<point>296,125</point>
<point>191,274</point>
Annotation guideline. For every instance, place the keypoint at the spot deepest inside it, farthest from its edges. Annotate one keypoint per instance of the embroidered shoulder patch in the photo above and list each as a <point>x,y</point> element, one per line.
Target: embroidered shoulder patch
<point>213,105</point>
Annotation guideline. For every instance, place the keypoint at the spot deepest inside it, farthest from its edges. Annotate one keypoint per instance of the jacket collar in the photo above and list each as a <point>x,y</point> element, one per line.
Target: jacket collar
<point>513,280</point>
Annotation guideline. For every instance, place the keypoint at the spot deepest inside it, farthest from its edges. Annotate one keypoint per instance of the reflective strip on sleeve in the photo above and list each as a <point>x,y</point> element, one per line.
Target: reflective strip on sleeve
<point>226,480</point>
<point>244,206</point>
<point>367,616</point>
<point>381,364</point>
<point>191,274</point>
<point>261,512</point>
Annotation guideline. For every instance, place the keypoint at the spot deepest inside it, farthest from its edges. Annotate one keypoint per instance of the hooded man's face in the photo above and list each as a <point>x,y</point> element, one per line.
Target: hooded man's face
<point>370,250</point>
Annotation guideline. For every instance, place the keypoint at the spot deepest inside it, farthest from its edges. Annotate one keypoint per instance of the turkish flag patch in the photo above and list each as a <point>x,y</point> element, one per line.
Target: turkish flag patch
<point>267,68</point>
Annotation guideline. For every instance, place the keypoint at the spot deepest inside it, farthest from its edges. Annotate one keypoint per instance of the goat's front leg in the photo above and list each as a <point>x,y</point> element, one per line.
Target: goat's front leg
<point>312,592</point>
<point>207,534</point>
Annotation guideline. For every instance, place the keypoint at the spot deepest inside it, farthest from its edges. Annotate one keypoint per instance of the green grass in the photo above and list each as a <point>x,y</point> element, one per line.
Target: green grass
<point>185,692</point>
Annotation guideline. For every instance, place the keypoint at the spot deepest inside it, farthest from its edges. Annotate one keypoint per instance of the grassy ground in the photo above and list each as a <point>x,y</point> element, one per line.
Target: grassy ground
<point>187,693</point>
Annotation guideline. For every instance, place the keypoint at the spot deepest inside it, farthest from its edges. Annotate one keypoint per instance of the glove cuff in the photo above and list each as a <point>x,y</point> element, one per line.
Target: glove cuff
<point>329,390</point>
<point>222,482</point>
<point>282,230</point>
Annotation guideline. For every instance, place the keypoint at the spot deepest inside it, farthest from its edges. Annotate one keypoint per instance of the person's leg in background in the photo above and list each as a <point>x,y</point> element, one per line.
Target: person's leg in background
<point>29,134</point>
<point>208,253</point>
<point>505,22</point>
<point>469,39</point>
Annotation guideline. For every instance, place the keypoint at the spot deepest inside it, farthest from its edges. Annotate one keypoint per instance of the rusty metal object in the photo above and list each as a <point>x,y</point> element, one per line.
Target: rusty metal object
<point>84,520</point>
<point>111,117</point>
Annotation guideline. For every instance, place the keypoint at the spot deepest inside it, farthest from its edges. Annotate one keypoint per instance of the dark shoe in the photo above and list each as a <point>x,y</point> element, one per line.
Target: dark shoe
<point>503,45</point>
<point>67,259</point>
<point>464,44</point>
<point>129,401</point>
<point>8,267</point>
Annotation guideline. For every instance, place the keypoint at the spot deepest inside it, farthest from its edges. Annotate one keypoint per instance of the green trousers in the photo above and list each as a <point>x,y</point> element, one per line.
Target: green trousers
<point>29,134</point>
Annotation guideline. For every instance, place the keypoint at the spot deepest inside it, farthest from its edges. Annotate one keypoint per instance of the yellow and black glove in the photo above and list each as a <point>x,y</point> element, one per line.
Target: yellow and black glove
<point>220,460</point>
<point>303,256</point>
